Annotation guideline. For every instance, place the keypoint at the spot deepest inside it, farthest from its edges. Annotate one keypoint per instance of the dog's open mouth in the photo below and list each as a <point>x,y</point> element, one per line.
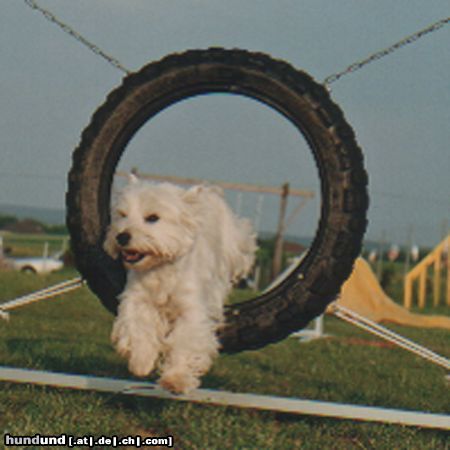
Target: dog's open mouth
<point>132,256</point>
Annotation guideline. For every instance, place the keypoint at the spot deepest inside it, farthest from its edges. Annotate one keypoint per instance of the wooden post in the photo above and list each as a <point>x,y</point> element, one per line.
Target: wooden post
<point>448,270</point>
<point>407,303</point>
<point>278,251</point>
<point>422,287</point>
<point>433,259</point>
<point>408,250</point>
<point>437,280</point>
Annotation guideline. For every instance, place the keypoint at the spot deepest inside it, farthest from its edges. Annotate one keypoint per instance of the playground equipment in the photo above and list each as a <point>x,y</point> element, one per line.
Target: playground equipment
<point>316,281</point>
<point>363,294</point>
<point>437,259</point>
<point>306,291</point>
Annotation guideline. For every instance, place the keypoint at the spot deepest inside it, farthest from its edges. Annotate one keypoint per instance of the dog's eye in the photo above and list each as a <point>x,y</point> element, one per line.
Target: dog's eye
<point>152,218</point>
<point>121,213</point>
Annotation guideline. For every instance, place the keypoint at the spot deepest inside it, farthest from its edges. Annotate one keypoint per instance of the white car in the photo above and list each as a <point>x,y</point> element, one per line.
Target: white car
<point>35,264</point>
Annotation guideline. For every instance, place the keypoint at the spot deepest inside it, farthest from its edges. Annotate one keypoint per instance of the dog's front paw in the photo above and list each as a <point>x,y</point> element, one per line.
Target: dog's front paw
<point>179,382</point>
<point>139,351</point>
<point>121,338</point>
<point>141,365</point>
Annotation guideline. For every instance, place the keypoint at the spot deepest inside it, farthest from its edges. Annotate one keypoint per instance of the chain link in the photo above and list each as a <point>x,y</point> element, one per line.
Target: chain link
<point>382,53</point>
<point>327,81</point>
<point>70,31</point>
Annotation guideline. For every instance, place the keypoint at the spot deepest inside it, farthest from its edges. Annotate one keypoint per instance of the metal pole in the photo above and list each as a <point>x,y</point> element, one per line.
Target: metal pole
<point>254,401</point>
<point>380,255</point>
<point>278,251</point>
<point>408,251</point>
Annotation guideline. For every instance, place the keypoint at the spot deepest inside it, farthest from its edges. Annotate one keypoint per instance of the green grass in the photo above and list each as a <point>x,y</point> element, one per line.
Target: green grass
<point>71,334</point>
<point>31,244</point>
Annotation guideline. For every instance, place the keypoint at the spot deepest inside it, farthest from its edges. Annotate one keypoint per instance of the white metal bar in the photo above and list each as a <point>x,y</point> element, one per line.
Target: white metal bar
<point>383,332</point>
<point>416,349</point>
<point>263,402</point>
<point>310,334</point>
<point>45,291</point>
<point>42,294</point>
<point>435,359</point>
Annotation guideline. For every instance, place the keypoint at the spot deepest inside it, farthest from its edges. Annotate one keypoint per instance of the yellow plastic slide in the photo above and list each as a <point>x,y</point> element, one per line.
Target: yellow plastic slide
<point>363,294</point>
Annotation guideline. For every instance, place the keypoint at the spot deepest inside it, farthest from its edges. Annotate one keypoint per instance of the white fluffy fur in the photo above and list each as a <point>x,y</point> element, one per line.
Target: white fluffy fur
<point>192,248</point>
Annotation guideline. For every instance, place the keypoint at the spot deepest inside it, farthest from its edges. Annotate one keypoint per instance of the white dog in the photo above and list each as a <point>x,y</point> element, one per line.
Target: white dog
<point>182,249</point>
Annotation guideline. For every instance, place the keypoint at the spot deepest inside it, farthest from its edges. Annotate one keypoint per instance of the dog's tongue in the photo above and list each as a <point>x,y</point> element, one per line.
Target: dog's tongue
<point>131,256</point>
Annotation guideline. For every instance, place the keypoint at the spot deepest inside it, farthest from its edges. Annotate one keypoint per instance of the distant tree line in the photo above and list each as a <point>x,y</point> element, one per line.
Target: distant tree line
<point>5,221</point>
<point>14,224</point>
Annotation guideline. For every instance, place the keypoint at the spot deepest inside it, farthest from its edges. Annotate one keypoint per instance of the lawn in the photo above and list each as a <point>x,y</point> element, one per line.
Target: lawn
<point>71,334</point>
<point>20,245</point>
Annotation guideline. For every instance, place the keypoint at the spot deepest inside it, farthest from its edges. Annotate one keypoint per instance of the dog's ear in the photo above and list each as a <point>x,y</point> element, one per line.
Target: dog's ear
<point>192,194</point>
<point>109,244</point>
<point>191,200</point>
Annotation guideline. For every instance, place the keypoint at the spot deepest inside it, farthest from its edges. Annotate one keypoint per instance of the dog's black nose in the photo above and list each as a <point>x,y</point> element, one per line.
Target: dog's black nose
<point>123,238</point>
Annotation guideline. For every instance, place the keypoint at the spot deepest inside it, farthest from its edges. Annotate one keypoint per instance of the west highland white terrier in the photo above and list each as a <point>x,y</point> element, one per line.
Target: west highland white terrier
<point>182,249</point>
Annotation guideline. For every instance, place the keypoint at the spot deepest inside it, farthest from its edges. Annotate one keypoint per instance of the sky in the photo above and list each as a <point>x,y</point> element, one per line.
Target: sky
<point>399,107</point>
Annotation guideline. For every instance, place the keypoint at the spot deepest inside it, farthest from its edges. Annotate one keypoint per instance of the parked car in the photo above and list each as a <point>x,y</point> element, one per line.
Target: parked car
<point>35,264</point>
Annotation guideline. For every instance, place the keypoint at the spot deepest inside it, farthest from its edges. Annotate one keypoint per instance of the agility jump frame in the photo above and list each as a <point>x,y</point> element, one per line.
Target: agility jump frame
<point>223,398</point>
<point>254,401</point>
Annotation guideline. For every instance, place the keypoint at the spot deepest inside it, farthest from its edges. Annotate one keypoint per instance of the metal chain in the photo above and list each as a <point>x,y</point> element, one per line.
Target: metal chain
<point>382,53</point>
<point>70,31</point>
<point>327,81</point>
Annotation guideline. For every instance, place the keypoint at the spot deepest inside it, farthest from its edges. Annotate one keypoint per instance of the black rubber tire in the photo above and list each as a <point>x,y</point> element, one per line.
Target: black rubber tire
<point>344,201</point>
